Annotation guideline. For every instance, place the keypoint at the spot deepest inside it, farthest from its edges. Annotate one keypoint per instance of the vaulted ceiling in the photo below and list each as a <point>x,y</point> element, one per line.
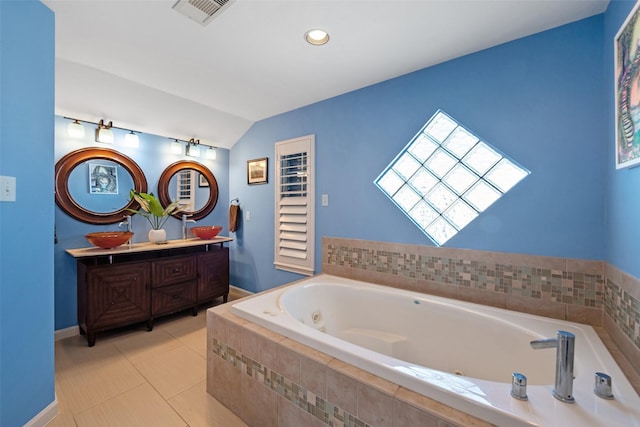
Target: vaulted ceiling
<point>149,68</point>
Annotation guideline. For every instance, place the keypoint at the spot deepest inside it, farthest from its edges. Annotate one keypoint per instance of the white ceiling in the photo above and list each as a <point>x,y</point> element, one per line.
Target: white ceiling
<point>146,67</point>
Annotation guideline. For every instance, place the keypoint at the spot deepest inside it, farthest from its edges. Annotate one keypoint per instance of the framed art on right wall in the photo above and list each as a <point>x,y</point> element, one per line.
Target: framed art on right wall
<point>627,91</point>
<point>257,171</point>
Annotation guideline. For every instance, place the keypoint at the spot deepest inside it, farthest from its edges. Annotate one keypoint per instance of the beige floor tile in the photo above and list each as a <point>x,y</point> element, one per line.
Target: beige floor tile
<point>90,382</point>
<point>196,341</point>
<point>127,378</point>
<point>74,353</point>
<point>138,407</point>
<point>139,347</point>
<point>64,418</point>
<point>174,371</point>
<point>199,409</point>
<point>181,323</point>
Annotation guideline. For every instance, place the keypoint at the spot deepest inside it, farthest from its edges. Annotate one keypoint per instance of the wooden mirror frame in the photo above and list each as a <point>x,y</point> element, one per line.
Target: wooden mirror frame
<point>68,163</point>
<point>165,178</point>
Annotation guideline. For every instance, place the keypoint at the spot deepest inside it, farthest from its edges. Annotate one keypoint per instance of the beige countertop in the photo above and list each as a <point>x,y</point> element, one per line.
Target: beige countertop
<point>145,247</point>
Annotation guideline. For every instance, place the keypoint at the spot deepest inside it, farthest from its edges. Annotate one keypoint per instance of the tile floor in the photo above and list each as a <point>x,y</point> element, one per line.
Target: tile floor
<point>137,378</point>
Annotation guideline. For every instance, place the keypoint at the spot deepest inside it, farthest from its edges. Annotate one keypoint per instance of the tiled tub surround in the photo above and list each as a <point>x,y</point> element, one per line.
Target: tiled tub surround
<point>400,331</point>
<point>319,375</point>
<point>269,380</point>
<point>583,291</point>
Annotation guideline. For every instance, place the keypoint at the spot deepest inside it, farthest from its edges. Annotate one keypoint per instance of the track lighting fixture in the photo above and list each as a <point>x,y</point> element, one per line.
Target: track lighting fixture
<point>104,133</point>
<point>176,147</point>
<point>75,129</point>
<point>132,140</point>
<point>211,153</point>
<point>193,148</point>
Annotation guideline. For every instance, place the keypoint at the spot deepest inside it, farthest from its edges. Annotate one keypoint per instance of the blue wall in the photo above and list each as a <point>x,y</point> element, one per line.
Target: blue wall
<point>545,100</point>
<point>622,227</point>
<point>153,156</point>
<point>540,100</point>
<point>26,225</point>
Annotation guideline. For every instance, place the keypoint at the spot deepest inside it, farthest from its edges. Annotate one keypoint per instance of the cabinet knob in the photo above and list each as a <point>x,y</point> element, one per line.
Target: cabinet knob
<point>175,270</point>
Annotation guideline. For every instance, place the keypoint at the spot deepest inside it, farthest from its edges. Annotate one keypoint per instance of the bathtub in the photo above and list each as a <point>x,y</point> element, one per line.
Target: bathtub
<point>458,353</point>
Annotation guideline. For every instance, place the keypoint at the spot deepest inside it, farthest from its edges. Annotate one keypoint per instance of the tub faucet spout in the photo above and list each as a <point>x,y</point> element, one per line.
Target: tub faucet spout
<point>565,350</point>
<point>185,221</point>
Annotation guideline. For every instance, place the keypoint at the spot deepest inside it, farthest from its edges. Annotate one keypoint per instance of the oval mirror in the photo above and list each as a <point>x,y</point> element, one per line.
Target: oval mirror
<point>92,185</point>
<point>192,184</point>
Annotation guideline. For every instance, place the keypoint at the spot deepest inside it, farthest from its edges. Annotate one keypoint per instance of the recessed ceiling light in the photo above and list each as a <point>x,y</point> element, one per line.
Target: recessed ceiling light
<point>316,37</point>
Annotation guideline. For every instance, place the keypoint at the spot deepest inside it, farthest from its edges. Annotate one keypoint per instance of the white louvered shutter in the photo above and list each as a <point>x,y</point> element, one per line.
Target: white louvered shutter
<point>185,188</point>
<point>294,216</point>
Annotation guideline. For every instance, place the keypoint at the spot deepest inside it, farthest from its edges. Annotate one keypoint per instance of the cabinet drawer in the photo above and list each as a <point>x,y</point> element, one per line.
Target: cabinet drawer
<point>174,270</point>
<point>172,298</point>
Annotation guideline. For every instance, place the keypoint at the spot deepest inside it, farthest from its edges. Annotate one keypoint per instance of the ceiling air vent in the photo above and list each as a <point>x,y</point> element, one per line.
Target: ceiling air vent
<point>201,11</point>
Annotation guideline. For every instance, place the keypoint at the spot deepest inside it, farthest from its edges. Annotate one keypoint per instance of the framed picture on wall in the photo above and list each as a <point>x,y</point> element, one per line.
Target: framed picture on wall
<point>103,179</point>
<point>202,181</point>
<point>257,171</point>
<point>627,91</point>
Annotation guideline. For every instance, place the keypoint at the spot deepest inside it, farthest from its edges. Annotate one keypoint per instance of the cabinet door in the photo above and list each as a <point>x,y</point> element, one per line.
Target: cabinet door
<point>214,274</point>
<point>117,295</point>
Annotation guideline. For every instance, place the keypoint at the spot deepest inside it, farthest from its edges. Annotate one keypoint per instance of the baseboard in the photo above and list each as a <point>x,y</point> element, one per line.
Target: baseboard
<point>71,331</point>
<point>45,416</point>
<point>240,291</point>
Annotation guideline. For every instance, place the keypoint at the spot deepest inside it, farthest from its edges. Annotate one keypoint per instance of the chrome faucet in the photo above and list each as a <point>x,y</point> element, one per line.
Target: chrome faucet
<point>184,225</point>
<point>565,350</point>
<point>127,222</point>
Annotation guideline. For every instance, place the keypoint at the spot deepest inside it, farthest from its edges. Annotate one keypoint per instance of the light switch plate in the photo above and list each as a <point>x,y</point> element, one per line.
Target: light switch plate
<point>7,188</point>
<point>325,200</point>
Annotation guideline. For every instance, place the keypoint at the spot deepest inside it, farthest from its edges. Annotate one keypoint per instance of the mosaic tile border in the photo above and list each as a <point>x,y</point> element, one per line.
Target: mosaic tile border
<point>302,398</point>
<point>624,310</point>
<point>544,284</point>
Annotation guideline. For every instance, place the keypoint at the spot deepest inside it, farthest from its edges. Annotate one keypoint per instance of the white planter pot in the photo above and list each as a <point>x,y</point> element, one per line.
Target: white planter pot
<point>157,236</point>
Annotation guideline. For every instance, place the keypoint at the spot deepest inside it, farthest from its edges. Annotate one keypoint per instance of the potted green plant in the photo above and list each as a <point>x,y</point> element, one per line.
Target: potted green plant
<point>151,209</point>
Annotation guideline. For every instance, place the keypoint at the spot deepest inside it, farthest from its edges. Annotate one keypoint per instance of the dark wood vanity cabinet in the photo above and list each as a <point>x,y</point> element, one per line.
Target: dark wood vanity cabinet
<point>119,290</point>
<point>213,280</point>
<point>112,297</point>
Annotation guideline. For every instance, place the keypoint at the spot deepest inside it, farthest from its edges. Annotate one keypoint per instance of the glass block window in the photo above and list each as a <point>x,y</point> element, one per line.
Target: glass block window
<point>446,176</point>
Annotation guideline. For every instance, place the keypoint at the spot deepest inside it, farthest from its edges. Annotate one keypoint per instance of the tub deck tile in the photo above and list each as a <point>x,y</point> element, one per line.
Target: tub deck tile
<point>223,383</point>
<point>439,410</point>
<point>290,415</point>
<point>405,415</point>
<point>436,288</point>
<point>587,315</point>
<point>313,376</point>
<point>341,388</point>
<point>479,296</point>
<point>555,310</point>
<point>289,360</point>
<point>375,407</point>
